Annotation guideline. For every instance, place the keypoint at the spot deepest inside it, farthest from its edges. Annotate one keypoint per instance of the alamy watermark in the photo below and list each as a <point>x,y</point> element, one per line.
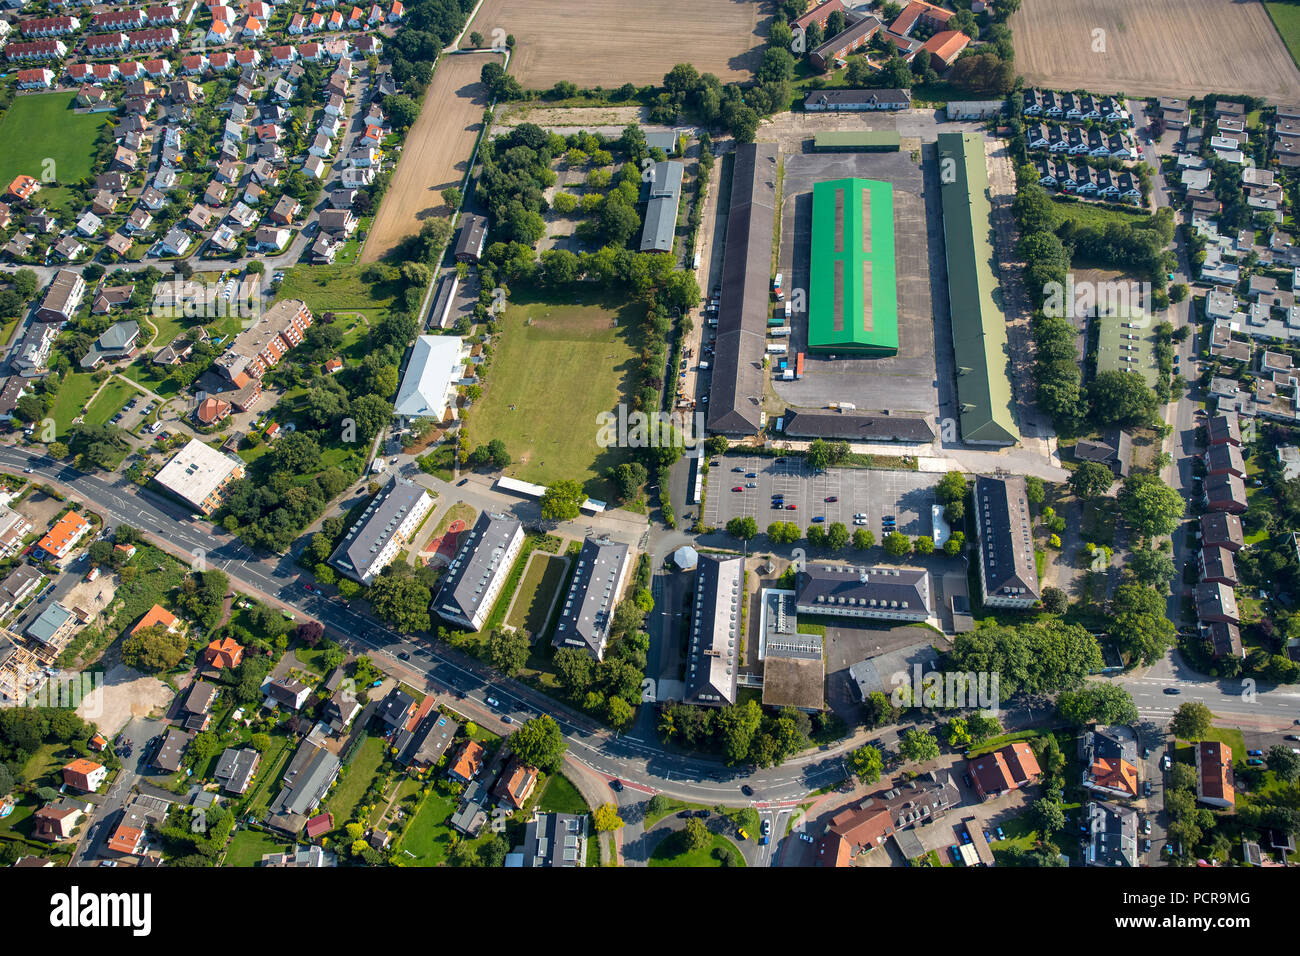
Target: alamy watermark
<point>972,690</point>
<point>634,429</point>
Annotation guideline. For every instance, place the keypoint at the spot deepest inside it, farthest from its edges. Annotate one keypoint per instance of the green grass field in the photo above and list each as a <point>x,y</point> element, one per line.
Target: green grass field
<point>43,128</point>
<point>71,399</point>
<point>247,847</point>
<point>428,838</point>
<point>356,781</point>
<point>561,796</point>
<point>556,367</point>
<point>109,401</point>
<point>533,600</point>
<point>1286,17</point>
<point>671,852</point>
<point>335,288</point>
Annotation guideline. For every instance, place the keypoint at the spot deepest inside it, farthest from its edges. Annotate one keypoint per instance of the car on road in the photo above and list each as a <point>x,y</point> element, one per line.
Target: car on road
<point>832,498</point>
<point>1146,752</point>
<point>616,785</point>
<point>766,827</point>
<point>506,718</point>
<point>1165,762</point>
<point>1254,753</point>
<point>737,488</point>
<point>1146,788</point>
<point>1172,690</point>
<point>1293,736</point>
<point>28,471</point>
<point>403,656</point>
<point>492,702</point>
<point>746,789</point>
<point>312,588</point>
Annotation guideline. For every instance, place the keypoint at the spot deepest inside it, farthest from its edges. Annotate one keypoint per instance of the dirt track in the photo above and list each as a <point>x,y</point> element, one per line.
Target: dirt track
<point>1155,48</point>
<point>436,154</point>
<point>611,42</point>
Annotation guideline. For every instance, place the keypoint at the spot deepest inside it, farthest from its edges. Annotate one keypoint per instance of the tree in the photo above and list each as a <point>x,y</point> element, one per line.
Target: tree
<point>261,742</point>
<point>606,818</point>
<point>866,763</point>
<point>401,600</point>
<point>742,528</point>
<point>1120,398</point>
<point>1055,601</point>
<point>1151,567</point>
<point>1098,702</point>
<point>574,669</point>
<point>508,651</point>
<point>1140,624</point>
<point>1284,762</point>
<point>539,743</point>
<point>1034,489</point>
<point>619,713</point>
<point>154,649</point>
<point>696,835</point>
<point>924,544</point>
<point>818,455</point>
<point>837,536</point>
<point>309,632</point>
<point>918,745</point>
<point>1047,815</point>
<point>1149,505</point>
<point>1191,721</point>
<point>1091,480</point>
<point>951,487</point>
<point>897,544</point>
<point>563,500</point>
<point>863,539</point>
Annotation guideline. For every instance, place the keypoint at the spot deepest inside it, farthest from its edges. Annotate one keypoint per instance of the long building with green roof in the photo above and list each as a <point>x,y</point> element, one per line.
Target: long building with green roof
<point>853,298</point>
<point>979,332</point>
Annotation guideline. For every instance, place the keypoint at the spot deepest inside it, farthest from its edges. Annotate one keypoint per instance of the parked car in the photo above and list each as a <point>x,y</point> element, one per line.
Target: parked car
<point>1146,846</point>
<point>1146,826</point>
<point>738,470</point>
<point>737,488</point>
<point>750,484</point>
<point>1146,788</point>
<point>751,474</point>
<point>1001,835</point>
<point>806,838</point>
<point>1165,762</point>
<point>1255,762</point>
<point>1254,753</point>
<point>791,507</point>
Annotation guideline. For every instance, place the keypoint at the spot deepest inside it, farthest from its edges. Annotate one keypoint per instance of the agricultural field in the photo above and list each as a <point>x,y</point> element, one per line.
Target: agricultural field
<point>529,401</point>
<point>1157,48</point>
<point>436,153</point>
<point>1286,17</point>
<point>42,128</point>
<point>572,41</point>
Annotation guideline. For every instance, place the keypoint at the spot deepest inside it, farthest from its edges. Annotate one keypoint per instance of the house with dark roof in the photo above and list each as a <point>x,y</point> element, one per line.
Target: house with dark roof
<point>57,822</point>
<point>423,740</point>
<point>236,769</point>
<point>882,593</point>
<point>472,239</point>
<point>1218,567</point>
<point>1113,450</point>
<point>1007,568</point>
<point>387,523</point>
<point>341,709</point>
<point>1112,838</point>
<point>396,709</point>
<point>1223,640</point>
<point>599,576</point>
<point>172,750</point>
<point>857,100</point>
<point>1220,529</point>
<point>196,709</point>
<point>857,426</point>
<point>736,399</point>
<point>871,822</point>
<point>1225,492</point>
<point>712,653</point>
<point>555,839</point>
<point>287,692</point>
<point>307,779</point>
<point>1216,603</point>
<point>475,576</point>
<point>1224,459</point>
<point>1223,429</point>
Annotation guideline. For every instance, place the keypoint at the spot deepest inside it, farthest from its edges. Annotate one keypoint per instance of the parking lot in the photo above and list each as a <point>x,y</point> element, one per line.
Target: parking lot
<point>906,496</point>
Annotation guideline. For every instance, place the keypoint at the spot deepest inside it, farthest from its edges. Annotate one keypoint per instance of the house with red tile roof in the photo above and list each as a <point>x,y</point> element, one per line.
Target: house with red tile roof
<point>63,536</point>
<point>1010,768</point>
<point>1214,781</point>
<point>468,762</point>
<point>222,654</point>
<point>85,774</point>
<point>157,616</point>
<point>516,783</point>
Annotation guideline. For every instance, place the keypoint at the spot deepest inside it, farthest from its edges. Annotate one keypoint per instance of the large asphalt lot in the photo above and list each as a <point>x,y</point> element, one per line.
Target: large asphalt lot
<point>905,495</point>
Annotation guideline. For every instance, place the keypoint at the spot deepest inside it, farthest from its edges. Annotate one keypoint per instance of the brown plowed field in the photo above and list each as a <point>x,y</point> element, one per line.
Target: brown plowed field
<point>1154,48</point>
<point>611,42</point>
<point>436,153</point>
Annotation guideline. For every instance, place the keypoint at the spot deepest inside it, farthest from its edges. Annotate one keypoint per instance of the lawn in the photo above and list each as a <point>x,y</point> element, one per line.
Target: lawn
<point>71,399</point>
<point>335,288</point>
<point>356,781</point>
<point>535,596</point>
<point>1286,17</point>
<point>428,838</point>
<point>561,796</point>
<point>549,345</point>
<point>247,847</point>
<point>672,853</point>
<point>1094,216</point>
<point>109,401</point>
<point>43,135</point>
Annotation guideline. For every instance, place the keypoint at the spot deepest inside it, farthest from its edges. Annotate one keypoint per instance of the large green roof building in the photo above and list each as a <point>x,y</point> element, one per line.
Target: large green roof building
<point>979,332</point>
<point>853,299</point>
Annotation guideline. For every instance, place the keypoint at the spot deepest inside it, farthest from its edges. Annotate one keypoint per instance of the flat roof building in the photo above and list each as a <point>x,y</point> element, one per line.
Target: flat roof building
<point>1007,567</point>
<point>389,521</point>
<point>857,426</point>
<point>713,645</point>
<point>555,839</point>
<point>476,574</point>
<point>598,578</point>
<point>199,475</point>
<point>888,594</point>
<point>853,294</point>
<point>736,402</point>
<point>979,335</point>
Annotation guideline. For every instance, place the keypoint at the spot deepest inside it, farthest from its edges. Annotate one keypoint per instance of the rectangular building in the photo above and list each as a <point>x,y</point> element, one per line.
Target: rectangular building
<point>383,528</point>
<point>853,299</point>
<point>713,646</point>
<point>598,581</point>
<point>434,371</point>
<point>979,335</point>
<point>665,193</point>
<point>736,405</point>
<point>199,475</point>
<point>887,594</point>
<point>62,297</point>
<point>475,577</point>
<point>1004,531</point>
